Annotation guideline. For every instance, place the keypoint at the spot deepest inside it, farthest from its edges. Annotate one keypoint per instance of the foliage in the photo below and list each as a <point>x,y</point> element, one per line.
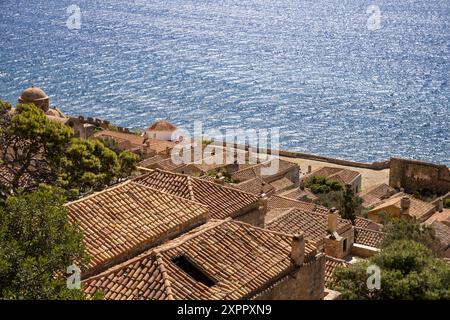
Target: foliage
<point>222,171</point>
<point>321,185</point>
<point>88,165</point>
<point>349,204</point>
<point>37,246</point>
<point>409,270</point>
<point>127,162</point>
<point>407,229</point>
<point>344,200</point>
<point>111,144</point>
<point>447,203</point>
<point>37,150</point>
<point>31,146</point>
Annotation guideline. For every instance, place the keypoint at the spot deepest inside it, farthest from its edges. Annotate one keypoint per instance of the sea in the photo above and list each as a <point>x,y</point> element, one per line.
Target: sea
<point>352,79</point>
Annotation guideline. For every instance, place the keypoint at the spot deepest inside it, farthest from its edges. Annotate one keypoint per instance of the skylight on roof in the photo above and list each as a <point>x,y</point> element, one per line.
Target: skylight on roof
<point>193,271</point>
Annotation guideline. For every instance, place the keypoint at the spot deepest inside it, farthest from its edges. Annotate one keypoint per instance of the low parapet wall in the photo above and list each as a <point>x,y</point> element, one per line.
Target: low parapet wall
<point>293,154</point>
<point>373,166</point>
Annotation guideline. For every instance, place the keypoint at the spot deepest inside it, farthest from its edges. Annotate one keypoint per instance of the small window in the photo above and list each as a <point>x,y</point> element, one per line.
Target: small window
<point>198,275</point>
<point>344,245</point>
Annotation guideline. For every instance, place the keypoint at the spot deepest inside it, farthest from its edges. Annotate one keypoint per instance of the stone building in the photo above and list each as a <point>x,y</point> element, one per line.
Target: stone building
<point>440,222</point>
<point>255,186</point>
<point>223,201</point>
<point>286,175</point>
<point>123,221</point>
<point>40,99</point>
<point>301,194</point>
<point>220,260</point>
<point>279,202</point>
<point>328,232</point>
<point>36,96</point>
<point>341,175</point>
<point>402,206</point>
<point>145,147</point>
<point>376,195</point>
<point>162,130</point>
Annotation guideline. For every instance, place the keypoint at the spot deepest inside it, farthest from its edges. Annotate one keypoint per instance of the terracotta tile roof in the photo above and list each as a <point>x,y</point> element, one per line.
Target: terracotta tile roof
<point>314,226</point>
<point>117,136</point>
<point>245,174</point>
<point>159,146</point>
<point>238,260</point>
<point>367,224</point>
<point>419,209</point>
<point>282,184</point>
<point>148,162</point>
<point>442,232</point>
<point>443,217</point>
<point>250,172</point>
<point>122,138</point>
<point>369,237</point>
<point>255,186</point>
<point>376,194</point>
<point>299,194</point>
<point>342,175</point>
<point>331,264</point>
<point>162,125</point>
<point>222,201</point>
<point>278,201</point>
<point>274,213</point>
<point>129,217</point>
<point>169,165</point>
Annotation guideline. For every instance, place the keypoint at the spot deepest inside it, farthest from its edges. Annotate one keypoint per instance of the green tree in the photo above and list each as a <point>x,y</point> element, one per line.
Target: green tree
<point>407,229</point>
<point>447,203</point>
<point>88,165</point>
<point>349,203</point>
<point>127,162</point>
<point>321,185</point>
<point>409,270</point>
<point>38,244</point>
<point>31,146</point>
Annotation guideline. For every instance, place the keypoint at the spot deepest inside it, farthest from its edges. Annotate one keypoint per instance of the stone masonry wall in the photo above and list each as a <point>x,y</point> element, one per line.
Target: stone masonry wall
<point>414,176</point>
<point>308,283</point>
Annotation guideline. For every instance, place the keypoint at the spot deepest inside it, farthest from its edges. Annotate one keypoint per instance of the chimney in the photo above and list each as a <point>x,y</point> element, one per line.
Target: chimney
<point>263,203</point>
<point>440,205</point>
<point>405,204</point>
<point>219,179</point>
<point>298,250</point>
<point>332,220</point>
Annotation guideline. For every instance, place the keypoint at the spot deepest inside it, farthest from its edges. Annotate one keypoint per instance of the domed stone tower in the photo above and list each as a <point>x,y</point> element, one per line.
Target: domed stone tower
<point>37,96</point>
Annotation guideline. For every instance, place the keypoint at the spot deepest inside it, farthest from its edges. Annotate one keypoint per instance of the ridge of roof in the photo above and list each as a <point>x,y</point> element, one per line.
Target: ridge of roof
<point>195,179</point>
<point>163,270</point>
<point>122,184</point>
<point>314,205</point>
<point>190,188</point>
<point>94,194</point>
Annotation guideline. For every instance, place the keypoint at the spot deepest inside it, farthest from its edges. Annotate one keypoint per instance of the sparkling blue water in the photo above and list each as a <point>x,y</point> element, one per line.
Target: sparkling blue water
<point>310,68</point>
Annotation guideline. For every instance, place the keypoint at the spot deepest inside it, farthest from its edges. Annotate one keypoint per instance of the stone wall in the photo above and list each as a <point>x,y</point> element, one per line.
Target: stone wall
<point>335,248</point>
<point>255,217</point>
<point>414,176</point>
<point>307,283</point>
<point>363,251</point>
